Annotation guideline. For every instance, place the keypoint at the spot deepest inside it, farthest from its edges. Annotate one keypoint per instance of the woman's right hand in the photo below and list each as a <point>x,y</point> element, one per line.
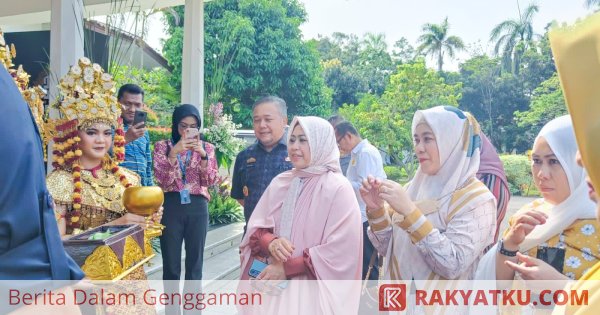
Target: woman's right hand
<point>523,224</point>
<point>281,249</point>
<point>128,218</point>
<point>182,145</point>
<point>177,148</point>
<point>369,191</point>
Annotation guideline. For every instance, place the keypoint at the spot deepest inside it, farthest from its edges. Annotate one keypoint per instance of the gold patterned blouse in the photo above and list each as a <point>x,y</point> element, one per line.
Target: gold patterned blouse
<point>581,241</point>
<point>101,197</point>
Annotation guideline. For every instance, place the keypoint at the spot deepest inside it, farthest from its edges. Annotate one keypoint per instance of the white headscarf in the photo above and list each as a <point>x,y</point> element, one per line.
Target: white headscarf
<point>459,152</point>
<point>561,139</point>
<point>324,157</point>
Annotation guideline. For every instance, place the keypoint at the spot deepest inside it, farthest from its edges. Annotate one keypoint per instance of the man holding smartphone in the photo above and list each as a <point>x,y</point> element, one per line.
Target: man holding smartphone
<point>138,156</point>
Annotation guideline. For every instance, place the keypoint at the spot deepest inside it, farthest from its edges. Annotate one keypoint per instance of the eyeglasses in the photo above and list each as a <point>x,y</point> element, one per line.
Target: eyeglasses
<point>186,126</point>
<point>339,139</point>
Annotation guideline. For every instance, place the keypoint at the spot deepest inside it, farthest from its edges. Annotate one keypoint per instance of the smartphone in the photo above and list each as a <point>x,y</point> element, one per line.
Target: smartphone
<point>192,133</point>
<point>140,116</point>
<point>257,267</point>
<point>554,256</point>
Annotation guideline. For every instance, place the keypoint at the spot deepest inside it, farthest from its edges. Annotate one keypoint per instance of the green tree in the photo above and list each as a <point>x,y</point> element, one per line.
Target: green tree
<point>253,48</point>
<point>479,75</point>
<point>510,96</point>
<point>374,62</point>
<point>513,37</point>
<point>436,41</point>
<point>403,51</point>
<point>328,49</point>
<point>375,42</point>
<point>492,96</point>
<point>173,52</point>
<point>354,66</point>
<point>386,120</point>
<point>537,64</point>
<point>547,103</point>
<point>350,45</point>
<point>346,84</point>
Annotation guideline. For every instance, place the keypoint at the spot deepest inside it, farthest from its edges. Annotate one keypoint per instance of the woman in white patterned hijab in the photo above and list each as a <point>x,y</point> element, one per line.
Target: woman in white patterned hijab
<point>438,227</point>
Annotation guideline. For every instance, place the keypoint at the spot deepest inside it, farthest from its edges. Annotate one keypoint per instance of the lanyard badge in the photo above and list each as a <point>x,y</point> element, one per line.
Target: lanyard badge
<point>184,194</point>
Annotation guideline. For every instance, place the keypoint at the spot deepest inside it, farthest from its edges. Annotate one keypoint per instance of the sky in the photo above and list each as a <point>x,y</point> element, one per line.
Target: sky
<point>471,20</point>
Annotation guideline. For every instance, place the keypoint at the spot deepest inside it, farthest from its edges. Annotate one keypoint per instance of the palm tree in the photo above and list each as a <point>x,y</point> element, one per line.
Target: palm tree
<point>592,3</point>
<point>514,36</point>
<point>435,42</point>
<point>375,42</point>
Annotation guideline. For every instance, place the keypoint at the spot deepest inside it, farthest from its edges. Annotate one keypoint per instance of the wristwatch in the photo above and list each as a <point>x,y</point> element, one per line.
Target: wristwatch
<point>504,251</point>
<point>204,158</point>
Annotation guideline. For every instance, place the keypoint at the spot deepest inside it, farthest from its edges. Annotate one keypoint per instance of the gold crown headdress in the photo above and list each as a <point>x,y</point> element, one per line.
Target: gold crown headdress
<point>33,96</point>
<point>86,97</point>
<point>87,94</point>
<point>6,53</point>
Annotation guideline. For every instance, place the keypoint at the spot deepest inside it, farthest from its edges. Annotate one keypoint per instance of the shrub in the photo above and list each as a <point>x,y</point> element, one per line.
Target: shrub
<point>152,116</point>
<point>518,174</point>
<point>395,173</point>
<point>222,209</point>
<point>157,134</point>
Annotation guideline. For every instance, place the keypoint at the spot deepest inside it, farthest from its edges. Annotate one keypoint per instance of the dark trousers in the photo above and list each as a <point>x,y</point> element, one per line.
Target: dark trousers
<point>368,251</point>
<point>189,224</point>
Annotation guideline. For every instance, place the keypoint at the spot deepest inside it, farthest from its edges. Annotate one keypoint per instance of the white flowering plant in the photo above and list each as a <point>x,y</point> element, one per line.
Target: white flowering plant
<point>221,133</point>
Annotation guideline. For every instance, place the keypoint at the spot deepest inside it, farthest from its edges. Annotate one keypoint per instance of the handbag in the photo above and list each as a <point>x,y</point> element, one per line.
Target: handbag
<point>369,296</point>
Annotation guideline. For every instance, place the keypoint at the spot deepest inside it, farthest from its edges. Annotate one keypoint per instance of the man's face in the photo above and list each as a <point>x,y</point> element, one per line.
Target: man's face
<point>130,103</point>
<point>344,142</point>
<point>269,125</point>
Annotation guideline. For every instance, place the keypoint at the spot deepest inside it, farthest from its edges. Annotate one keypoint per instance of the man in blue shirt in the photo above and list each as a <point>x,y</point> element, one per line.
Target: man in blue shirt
<point>138,156</point>
<point>365,160</point>
<point>260,162</point>
<point>30,244</point>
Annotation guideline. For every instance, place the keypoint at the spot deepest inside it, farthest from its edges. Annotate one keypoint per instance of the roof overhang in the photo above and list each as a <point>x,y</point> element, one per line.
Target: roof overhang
<point>23,14</point>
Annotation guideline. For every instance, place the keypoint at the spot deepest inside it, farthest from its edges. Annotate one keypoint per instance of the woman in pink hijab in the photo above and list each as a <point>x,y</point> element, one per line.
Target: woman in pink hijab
<point>307,226</point>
